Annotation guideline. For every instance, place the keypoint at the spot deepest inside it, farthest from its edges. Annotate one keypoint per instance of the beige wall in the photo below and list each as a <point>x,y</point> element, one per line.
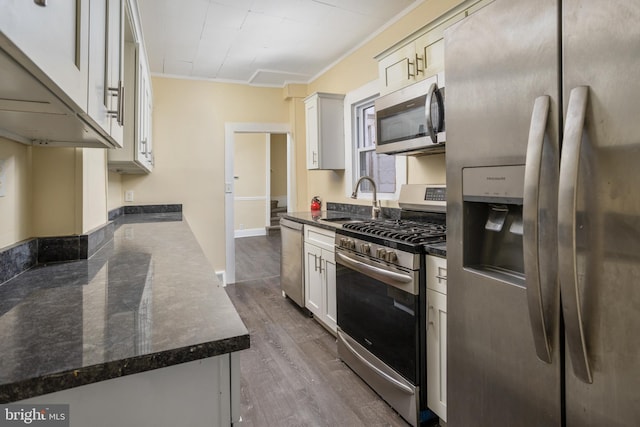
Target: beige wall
<point>54,191</point>
<point>69,190</point>
<point>189,118</point>
<point>115,196</point>
<point>278,165</point>
<point>51,191</point>
<point>297,120</point>
<point>15,206</point>
<point>250,162</point>
<point>94,188</point>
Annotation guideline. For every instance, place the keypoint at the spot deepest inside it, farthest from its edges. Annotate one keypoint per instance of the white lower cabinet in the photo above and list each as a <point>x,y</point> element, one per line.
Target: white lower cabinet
<point>320,276</point>
<point>201,393</point>
<point>437,335</point>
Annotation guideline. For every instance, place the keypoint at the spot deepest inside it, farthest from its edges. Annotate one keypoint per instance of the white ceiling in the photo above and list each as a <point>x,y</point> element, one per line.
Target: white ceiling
<point>259,42</point>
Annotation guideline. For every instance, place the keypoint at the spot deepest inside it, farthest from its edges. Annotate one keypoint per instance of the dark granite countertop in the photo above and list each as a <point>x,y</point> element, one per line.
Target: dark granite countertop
<point>437,249</point>
<point>146,300</point>
<point>328,219</point>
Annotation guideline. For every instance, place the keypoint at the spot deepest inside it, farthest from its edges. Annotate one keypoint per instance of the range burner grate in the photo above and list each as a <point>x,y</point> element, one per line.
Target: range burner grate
<point>403,230</point>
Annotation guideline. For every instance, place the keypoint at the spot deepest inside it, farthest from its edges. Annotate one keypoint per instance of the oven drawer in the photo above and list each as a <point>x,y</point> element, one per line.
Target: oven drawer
<point>437,274</point>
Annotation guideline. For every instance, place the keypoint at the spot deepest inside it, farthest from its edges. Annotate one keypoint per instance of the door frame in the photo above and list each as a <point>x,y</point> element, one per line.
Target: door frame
<point>230,129</point>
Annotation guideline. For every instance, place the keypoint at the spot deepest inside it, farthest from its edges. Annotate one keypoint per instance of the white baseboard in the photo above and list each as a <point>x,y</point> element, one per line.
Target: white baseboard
<point>221,276</point>
<point>250,232</point>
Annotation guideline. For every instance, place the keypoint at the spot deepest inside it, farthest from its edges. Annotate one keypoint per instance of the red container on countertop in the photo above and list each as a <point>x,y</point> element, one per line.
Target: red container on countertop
<point>316,204</point>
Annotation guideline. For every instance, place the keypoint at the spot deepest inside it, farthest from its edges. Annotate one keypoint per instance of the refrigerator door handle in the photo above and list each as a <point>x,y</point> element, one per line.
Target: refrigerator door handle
<point>567,199</point>
<point>531,241</point>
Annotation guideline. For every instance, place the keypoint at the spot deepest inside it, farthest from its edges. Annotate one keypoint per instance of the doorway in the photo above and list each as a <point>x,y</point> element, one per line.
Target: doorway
<point>235,132</point>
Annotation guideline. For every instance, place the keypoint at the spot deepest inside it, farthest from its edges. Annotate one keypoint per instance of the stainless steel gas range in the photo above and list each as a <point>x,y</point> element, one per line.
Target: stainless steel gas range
<point>381,298</point>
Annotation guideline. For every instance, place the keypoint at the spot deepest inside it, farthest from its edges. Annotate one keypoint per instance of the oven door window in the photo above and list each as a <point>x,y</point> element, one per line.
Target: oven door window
<point>382,318</point>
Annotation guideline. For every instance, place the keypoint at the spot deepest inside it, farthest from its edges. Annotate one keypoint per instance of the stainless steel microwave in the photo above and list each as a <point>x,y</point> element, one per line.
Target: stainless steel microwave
<point>411,120</point>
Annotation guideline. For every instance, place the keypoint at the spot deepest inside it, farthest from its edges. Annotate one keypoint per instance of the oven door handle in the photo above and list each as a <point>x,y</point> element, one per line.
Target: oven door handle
<point>392,278</point>
<point>384,375</point>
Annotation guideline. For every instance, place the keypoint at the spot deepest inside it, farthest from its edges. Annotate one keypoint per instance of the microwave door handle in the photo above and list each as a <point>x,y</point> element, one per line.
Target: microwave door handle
<point>533,244</point>
<point>567,263</point>
<point>427,110</point>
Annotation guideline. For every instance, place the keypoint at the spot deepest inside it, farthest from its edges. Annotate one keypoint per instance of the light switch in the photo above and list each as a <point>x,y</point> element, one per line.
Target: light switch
<point>128,196</point>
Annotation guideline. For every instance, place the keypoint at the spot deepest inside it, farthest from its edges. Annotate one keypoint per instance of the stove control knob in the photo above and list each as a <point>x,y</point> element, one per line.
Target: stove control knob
<point>351,244</point>
<point>391,257</point>
<point>381,253</point>
<point>343,242</point>
<point>365,248</point>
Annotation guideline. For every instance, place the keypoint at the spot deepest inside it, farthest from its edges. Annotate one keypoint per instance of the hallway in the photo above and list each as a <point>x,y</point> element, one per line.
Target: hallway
<point>291,375</point>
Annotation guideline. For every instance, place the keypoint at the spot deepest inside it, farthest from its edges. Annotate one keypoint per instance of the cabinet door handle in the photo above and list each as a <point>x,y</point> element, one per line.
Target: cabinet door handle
<point>320,265</point>
<point>418,70</point>
<point>409,65</point>
<point>118,113</point>
<point>121,104</point>
<point>42,3</point>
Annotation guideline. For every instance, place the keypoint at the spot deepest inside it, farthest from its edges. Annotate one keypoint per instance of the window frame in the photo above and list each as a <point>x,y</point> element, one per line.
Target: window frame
<point>354,100</point>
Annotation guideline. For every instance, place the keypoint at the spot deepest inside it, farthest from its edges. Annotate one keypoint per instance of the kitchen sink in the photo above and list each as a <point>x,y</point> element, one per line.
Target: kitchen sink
<point>338,219</point>
<point>342,220</point>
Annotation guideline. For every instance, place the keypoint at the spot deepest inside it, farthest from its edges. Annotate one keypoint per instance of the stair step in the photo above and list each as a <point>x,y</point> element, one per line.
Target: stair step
<point>278,210</point>
<point>273,229</point>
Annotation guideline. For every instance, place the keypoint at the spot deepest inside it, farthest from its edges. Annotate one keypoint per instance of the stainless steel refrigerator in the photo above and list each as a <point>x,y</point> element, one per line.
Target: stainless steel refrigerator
<point>543,215</point>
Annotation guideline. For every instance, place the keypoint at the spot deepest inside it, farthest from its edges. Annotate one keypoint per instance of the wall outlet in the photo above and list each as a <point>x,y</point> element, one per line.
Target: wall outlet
<point>128,196</point>
<point>3,177</point>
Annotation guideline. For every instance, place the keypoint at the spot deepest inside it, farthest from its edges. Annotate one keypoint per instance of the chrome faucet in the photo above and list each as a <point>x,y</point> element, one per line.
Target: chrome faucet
<point>375,209</point>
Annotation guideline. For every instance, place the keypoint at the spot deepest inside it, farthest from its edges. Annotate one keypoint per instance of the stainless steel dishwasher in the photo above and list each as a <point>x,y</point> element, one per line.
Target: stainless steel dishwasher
<point>292,260</point>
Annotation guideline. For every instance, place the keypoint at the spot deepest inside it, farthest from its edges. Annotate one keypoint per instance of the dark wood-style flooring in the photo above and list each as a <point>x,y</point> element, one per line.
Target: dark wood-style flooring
<point>291,375</point>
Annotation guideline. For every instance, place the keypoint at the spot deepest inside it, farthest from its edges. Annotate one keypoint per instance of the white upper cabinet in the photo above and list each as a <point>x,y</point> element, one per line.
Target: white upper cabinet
<point>106,74</point>
<point>72,49</point>
<point>97,102</point>
<point>420,55</point>
<point>136,154</point>
<point>106,61</point>
<point>115,91</point>
<point>399,68</point>
<point>144,139</point>
<point>54,37</point>
<point>31,114</point>
<point>324,114</point>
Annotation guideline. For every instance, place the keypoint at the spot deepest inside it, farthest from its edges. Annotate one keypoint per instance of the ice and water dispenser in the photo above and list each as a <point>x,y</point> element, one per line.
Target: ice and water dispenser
<point>492,198</point>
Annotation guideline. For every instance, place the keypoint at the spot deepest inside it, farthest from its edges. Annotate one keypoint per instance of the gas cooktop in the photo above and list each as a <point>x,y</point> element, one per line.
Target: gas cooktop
<point>407,231</point>
<point>422,222</point>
